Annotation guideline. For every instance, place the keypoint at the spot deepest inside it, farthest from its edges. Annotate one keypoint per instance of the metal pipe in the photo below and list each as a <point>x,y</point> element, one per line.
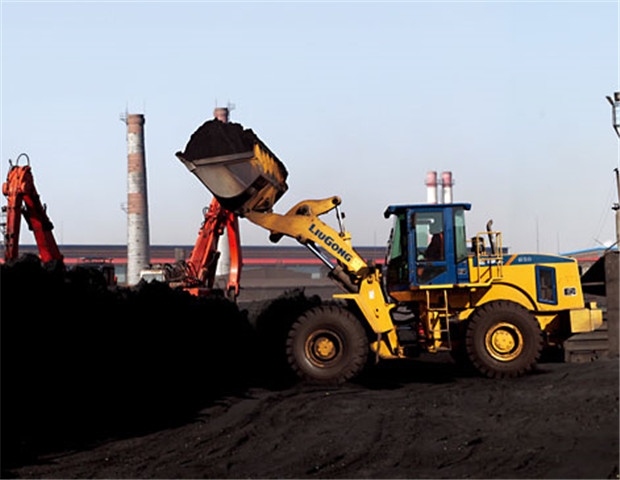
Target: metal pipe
<point>616,207</point>
<point>615,112</point>
<point>319,255</point>
<point>336,272</point>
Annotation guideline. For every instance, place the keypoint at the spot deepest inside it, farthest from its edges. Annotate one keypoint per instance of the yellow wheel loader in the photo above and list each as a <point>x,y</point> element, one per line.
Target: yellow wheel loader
<point>492,310</point>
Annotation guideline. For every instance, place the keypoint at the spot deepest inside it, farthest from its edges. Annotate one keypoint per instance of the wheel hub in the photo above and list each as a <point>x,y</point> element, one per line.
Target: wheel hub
<point>504,342</point>
<point>323,347</point>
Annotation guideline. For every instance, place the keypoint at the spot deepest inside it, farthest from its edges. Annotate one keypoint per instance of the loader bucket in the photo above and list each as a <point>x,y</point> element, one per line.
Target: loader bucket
<point>238,169</point>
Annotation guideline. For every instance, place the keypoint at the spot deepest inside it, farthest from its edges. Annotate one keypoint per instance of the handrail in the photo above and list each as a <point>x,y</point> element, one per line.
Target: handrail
<point>492,259</point>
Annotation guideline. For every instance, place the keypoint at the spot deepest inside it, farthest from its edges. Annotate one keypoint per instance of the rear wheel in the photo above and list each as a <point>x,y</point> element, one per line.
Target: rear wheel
<point>503,340</point>
<point>327,344</point>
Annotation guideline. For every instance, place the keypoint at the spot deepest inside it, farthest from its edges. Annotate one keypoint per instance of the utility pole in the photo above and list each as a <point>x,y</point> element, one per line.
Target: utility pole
<point>612,262</point>
<point>616,207</point>
<point>615,123</point>
<point>615,112</point>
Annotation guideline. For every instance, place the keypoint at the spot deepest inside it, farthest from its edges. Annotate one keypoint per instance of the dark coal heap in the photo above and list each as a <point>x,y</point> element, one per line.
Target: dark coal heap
<point>273,324</point>
<point>81,361</point>
<point>215,138</point>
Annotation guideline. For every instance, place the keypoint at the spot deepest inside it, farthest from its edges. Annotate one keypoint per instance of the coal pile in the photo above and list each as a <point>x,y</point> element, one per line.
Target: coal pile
<point>214,138</point>
<point>82,362</point>
<point>94,377</point>
<point>273,323</point>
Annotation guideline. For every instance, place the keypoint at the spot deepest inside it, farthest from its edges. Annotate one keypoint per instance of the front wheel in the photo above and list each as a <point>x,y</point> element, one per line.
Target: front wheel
<point>503,339</point>
<point>327,344</point>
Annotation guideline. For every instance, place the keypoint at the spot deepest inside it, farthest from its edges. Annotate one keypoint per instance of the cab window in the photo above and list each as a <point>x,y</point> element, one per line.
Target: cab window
<point>460,239</point>
<point>429,236</point>
<point>429,248</point>
<point>546,285</point>
<point>397,264</point>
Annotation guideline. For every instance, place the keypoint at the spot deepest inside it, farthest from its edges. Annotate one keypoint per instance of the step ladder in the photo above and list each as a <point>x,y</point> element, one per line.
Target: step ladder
<point>438,323</point>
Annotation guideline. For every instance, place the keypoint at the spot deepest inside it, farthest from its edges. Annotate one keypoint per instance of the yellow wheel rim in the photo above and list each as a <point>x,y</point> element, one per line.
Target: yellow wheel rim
<point>323,347</point>
<point>504,342</point>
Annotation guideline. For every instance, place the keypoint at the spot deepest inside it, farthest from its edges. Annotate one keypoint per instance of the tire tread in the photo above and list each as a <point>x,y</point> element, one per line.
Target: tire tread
<point>521,365</point>
<point>358,345</point>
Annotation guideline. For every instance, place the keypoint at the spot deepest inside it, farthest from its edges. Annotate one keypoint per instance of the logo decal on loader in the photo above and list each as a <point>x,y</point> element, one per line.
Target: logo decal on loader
<point>331,243</point>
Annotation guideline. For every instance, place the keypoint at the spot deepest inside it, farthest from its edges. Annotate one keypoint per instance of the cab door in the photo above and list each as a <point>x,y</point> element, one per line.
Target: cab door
<point>431,251</point>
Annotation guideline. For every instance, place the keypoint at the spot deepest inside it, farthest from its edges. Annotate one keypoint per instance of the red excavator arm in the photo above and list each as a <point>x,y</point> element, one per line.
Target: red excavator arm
<point>201,267</point>
<point>23,199</point>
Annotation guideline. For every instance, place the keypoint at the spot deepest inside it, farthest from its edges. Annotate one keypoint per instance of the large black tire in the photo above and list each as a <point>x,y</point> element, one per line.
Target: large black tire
<point>459,347</point>
<point>328,345</point>
<point>503,340</point>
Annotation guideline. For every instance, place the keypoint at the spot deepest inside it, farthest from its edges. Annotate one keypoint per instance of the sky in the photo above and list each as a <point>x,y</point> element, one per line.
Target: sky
<point>358,99</point>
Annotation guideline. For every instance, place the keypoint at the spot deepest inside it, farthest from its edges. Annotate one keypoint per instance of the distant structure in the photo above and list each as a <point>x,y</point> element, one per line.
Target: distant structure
<point>222,114</point>
<point>431,187</point>
<point>446,182</point>
<point>446,187</point>
<point>138,256</point>
<point>223,264</point>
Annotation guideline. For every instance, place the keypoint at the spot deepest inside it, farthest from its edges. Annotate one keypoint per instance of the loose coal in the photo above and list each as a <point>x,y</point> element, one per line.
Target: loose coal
<point>273,324</point>
<point>80,362</point>
<point>215,138</point>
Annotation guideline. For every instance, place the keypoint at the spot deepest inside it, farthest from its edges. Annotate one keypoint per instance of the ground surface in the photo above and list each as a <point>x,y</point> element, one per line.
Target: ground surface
<point>405,420</point>
<point>155,383</point>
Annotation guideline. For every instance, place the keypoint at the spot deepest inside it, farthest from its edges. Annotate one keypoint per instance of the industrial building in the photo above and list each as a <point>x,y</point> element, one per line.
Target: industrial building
<point>293,259</point>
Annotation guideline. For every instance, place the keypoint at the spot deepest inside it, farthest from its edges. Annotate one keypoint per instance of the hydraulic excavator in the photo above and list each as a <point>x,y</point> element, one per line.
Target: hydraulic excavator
<point>201,267</point>
<point>196,275</point>
<point>23,199</point>
<point>492,310</point>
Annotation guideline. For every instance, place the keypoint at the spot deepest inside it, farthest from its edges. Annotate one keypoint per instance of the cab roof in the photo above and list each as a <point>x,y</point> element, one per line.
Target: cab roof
<point>423,207</point>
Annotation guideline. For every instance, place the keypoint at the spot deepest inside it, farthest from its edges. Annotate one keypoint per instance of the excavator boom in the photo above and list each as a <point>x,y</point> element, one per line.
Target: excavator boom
<point>202,264</point>
<point>23,199</point>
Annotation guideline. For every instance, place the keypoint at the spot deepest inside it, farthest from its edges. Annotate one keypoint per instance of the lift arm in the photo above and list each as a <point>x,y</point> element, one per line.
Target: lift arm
<point>361,282</point>
<point>303,224</point>
<point>248,179</point>
<point>23,199</point>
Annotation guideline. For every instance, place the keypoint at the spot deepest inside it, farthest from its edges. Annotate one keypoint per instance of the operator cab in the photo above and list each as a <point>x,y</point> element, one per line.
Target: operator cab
<point>428,246</point>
